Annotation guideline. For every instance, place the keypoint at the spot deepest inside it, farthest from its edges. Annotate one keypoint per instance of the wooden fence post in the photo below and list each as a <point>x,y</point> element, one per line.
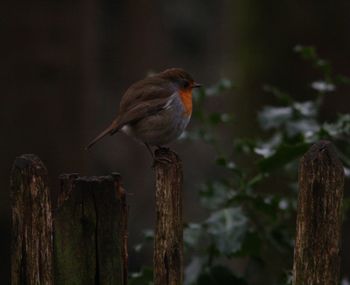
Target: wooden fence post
<point>90,231</point>
<point>319,217</point>
<point>31,254</point>
<point>168,242</point>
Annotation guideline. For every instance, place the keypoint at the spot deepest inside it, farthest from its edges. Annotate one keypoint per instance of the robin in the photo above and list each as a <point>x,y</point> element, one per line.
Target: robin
<point>155,110</point>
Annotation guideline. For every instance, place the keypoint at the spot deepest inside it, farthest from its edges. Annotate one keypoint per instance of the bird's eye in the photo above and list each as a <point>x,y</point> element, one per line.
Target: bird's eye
<point>186,84</point>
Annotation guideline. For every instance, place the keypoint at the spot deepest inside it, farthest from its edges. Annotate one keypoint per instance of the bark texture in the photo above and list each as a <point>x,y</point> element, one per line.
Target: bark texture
<point>90,231</point>
<point>168,243</point>
<point>31,254</point>
<point>319,217</point>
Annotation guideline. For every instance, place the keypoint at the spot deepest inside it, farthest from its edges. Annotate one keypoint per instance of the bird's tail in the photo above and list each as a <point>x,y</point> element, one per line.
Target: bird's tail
<point>114,127</point>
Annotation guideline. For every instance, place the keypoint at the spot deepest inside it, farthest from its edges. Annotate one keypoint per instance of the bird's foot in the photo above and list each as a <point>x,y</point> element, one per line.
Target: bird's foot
<point>160,155</point>
<point>163,160</point>
<point>159,147</point>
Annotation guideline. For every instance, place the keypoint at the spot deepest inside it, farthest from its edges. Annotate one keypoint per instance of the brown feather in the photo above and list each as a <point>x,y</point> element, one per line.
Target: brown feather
<point>114,127</point>
<point>145,90</point>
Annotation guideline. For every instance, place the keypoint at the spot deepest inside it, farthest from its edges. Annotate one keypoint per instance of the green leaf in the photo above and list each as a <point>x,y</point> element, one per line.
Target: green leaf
<point>307,109</point>
<point>192,234</point>
<point>302,128</point>
<point>307,52</point>
<point>341,79</point>
<point>266,206</point>
<point>217,89</point>
<point>284,98</point>
<point>193,270</point>
<point>322,86</point>
<point>244,145</point>
<point>222,161</point>
<point>268,147</point>
<point>283,155</point>
<point>227,228</point>
<point>273,117</point>
<point>138,247</point>
<point>144,277</point>
<point>256,179</point>
<point>215,194</point>
<point>340,127</point>
<point>148,235</point>
<point>218,118</point>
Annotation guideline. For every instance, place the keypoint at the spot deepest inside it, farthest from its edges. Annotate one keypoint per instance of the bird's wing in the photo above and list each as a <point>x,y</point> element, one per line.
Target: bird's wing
<point>150,88</point>
<point>144,109</point>
<point>142,99</point>
<point>145,98</point>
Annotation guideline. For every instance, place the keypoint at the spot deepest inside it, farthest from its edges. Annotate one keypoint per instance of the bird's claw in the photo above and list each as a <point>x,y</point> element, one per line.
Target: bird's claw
<point>163,160</point>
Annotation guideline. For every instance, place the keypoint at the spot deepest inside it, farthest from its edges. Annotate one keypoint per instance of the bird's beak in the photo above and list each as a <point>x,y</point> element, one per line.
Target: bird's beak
<point>196,85</point>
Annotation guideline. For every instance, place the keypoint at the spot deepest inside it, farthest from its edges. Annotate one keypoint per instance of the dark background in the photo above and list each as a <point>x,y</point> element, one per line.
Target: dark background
<point>65,64</point>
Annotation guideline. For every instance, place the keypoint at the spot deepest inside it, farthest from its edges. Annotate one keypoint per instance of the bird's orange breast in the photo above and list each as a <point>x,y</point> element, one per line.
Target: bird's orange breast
<point>186,98</point>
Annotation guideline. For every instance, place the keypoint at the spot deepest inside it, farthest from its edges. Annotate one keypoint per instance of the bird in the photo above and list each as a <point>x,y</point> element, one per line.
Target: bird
<point>155,110</point>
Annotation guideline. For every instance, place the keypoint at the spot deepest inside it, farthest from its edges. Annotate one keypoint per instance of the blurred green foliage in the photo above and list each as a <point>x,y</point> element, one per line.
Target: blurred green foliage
<point>248,234</point>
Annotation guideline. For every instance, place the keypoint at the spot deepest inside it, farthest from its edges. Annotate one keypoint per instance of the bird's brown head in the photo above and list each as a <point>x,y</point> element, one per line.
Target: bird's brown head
<point>180,78</point>
<point>184,83</point>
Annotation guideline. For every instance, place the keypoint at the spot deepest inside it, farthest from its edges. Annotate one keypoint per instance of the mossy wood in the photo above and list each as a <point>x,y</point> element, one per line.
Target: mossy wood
<point>168,243</point>
<point>31,252</point>
<point>319,217</point>
<point>90,235</point>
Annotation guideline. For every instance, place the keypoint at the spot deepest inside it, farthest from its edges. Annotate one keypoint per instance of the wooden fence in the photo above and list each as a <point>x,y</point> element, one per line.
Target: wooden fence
<point>83,239</point>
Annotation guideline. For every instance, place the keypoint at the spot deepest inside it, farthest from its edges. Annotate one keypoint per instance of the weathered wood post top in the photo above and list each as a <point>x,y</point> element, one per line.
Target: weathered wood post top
<point>168,242</point>
<point>319,217</point>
